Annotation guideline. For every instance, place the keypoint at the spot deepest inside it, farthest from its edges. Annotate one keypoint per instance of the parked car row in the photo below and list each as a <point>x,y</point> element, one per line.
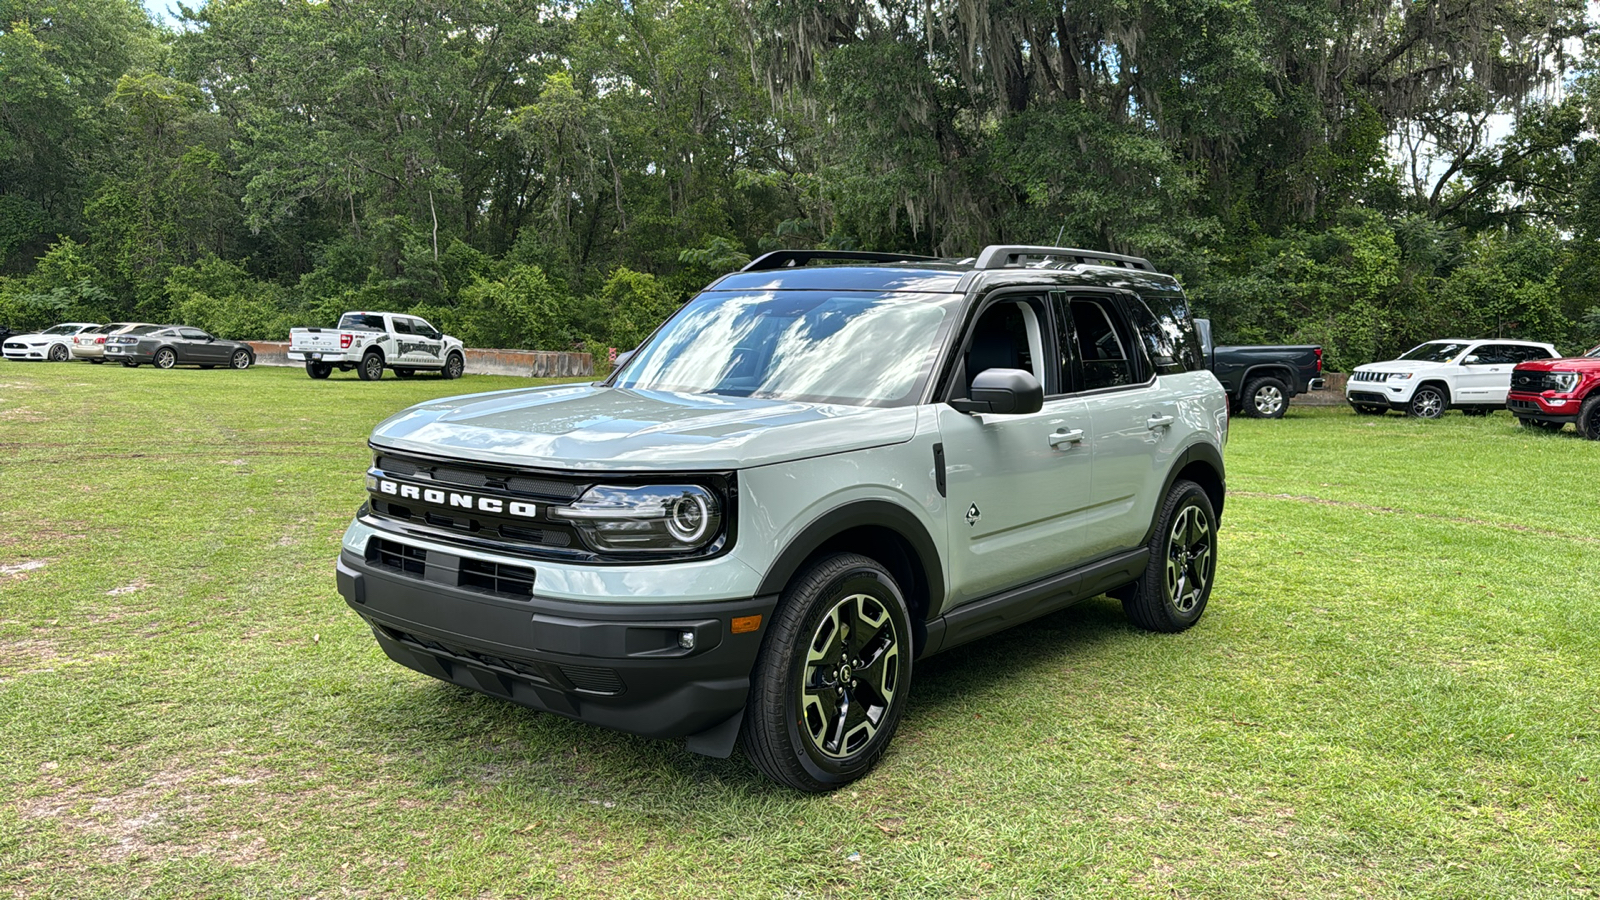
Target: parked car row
<point>131,343</point>
<point>1540,387</point>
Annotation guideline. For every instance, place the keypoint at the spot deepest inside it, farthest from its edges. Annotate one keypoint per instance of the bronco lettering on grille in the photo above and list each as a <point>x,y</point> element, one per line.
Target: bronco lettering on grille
<point>457,499</point>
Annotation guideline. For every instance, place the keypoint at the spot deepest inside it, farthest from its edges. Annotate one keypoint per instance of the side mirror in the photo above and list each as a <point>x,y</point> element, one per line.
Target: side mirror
<point>1003,391</point>
<point>622,359</point>
<point>1470,361</point>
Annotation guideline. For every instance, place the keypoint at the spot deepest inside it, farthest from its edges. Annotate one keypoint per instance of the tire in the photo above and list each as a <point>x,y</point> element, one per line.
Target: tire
<point>1172,593</point>
<point>1476,411</point>
<point>1589,417</point>
<point>1370,410</point>
<point>97,361</point>
<point>241,359</point>
<point>1429,402</point>
<point>165,358</point>
<point>404,373</point>
<point>58,353</point>
<point>815,724</point>
<point>130,365</point>
<point>1265,398</point>
<point>371,368</point>
<point>318,370</point>
<point>454,365</point>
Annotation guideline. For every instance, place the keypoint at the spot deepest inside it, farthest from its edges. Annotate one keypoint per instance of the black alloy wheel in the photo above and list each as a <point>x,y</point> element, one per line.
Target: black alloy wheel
<point>1172,593</point>
<point>241,359</point>
<point>1266,398</point>
<point>833,676</point>
<point>454,365</point>
<point>1429,402</point>
<point>1589,417</point>
<point>58,353</point>
<point>165,358</point>
<point>318,370</point>
<point>371,368</point>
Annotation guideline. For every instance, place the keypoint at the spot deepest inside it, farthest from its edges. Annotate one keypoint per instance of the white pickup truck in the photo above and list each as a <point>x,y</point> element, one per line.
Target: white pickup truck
<point>369,342</point>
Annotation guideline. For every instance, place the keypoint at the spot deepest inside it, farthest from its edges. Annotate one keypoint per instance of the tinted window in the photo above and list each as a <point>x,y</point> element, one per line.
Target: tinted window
<point>1166,338</point>
<point>141,329</point>
<point>401,325</point>
<point>361,321</point>
<point>1100,339</point>
<point>1004,337</point>
<point>193,334</point>
<point>1438,351</point>
<point>421,326</point>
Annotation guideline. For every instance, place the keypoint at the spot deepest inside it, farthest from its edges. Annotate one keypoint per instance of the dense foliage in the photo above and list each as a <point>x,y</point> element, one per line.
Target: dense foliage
<point>545,173</point>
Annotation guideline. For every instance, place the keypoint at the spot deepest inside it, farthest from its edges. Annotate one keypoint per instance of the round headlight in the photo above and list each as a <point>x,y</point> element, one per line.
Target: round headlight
<point>688,517</point>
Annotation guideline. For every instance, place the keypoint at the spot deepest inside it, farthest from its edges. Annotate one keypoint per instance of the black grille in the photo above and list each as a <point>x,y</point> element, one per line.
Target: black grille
<point>1370,376</point>
<point>528,671</point>
<point>397,556</point>
<point>13,345</point>
<point>553,488</point>
<point>496,578</point>
<point>1534,382</point>
<point>592,679</point>
<point>1523,404</point>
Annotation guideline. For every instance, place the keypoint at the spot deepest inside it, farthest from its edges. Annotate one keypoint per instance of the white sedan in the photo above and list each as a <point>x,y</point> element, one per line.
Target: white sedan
<point>53,344</point>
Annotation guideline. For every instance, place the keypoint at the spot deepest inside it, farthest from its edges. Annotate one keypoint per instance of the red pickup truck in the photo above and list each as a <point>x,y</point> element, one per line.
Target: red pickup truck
<point>1549,393</point>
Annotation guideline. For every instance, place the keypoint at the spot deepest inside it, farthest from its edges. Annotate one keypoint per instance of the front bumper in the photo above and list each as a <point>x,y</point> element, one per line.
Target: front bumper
<point>1540,408</point>
<point>618,665</point>
<point>24,353</point>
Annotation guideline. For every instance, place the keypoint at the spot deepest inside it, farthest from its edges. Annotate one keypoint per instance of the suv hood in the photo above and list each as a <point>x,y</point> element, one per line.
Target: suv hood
<point>592,427</point>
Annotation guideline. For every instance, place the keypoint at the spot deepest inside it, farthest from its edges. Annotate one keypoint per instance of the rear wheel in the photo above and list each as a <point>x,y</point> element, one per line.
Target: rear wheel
<point>1429,402</point>
<point>1171,595</point>
<point>833,676</point>
<point>1265,398</point>
<point>1589,417</point>
<point>371,368</point>
<point>241,359</point>
<point>454,365</point>
<point>59,353</point>
<point>165,358</point>
<point>318,370</point>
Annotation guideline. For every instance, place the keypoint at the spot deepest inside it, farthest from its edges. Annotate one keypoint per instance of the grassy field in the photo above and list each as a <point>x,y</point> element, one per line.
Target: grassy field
<point>1394,693</point>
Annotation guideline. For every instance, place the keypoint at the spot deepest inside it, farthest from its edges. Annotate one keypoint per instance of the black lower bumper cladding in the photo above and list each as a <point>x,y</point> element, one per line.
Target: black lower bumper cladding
<point>658,670</point>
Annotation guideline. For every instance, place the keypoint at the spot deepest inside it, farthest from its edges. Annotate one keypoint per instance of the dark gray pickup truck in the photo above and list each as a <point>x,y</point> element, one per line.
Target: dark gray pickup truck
<point>1260,380</point>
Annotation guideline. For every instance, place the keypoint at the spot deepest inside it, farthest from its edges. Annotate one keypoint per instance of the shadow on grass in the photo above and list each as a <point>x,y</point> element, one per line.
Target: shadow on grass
<point>441,737</point>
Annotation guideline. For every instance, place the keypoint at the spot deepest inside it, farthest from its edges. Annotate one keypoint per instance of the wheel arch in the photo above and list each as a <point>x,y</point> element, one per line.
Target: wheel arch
<point>376,349</point>
<point>1268,370</point>
<point>1440,383</point>
<point>882,531</point>
<point>1201,464</point>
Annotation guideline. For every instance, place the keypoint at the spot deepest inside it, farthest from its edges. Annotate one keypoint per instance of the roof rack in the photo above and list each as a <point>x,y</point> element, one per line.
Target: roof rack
<point>785,259</point>
<point>998,256</point>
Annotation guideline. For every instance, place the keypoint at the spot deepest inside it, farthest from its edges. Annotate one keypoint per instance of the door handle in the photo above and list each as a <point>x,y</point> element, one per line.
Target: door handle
<point>1075,436</point>
<point>1160,422</point>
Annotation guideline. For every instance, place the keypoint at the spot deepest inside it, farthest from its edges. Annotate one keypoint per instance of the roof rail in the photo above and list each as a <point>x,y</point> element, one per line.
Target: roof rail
<point>998,256</point>
<point>784,259</point>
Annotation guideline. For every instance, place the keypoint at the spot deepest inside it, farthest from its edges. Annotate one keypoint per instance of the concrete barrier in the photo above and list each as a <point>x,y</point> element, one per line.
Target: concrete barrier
<point>528,363</point>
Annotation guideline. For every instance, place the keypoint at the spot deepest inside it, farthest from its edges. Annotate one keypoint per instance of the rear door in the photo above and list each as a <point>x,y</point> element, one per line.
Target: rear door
<point>422,350</point>
<point>1018,485</point>
<point>1131,417</point>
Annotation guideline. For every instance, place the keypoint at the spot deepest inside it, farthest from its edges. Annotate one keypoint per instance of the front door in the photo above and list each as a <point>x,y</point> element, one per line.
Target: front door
<point>1018,485</point>
<point>1485,375</point>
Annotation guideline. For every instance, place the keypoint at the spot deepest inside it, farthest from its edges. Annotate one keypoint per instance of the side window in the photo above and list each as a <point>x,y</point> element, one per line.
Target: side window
<point>1487,355</point>
<point>1163,339</point>
<point>420,326</point>
<point>193,334</point>
<point>1101,343</point>
<point>402,326</point>
<point>1007,335</point>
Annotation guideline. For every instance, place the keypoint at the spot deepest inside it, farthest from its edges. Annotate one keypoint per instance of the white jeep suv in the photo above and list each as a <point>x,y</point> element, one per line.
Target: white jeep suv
<point>1471,375</point>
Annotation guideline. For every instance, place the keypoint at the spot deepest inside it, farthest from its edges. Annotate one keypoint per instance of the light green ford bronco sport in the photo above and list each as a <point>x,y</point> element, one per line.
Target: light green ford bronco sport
<point>824,468</point>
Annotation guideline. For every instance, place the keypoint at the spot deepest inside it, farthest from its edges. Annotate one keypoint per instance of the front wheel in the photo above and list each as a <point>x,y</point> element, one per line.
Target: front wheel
<point>371,368</point>
<point>165,358</point>
<point>59,353</point>
<point>1171,594</point>
<point>833,676</point>
<point>1589,417</point>
<point>1265,398</point>
<point>1429,402</point>
<point>454,365</point>
<point>319,370</point>
<point>241,359</point>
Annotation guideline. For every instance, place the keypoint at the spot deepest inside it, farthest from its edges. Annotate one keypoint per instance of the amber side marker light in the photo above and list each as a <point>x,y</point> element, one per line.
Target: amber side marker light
<point>746,624</point>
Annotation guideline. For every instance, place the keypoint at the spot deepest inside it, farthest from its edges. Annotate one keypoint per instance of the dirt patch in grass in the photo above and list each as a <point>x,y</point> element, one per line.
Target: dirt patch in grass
<point>147,821</point>
<point>28,657</point>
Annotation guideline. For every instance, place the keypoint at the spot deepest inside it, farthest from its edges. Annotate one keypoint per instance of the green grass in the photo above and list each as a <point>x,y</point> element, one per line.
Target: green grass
<point>1395,691</point>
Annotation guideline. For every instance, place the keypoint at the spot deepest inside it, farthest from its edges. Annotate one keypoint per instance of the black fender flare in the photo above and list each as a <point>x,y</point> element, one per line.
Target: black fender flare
<point>858,514</point>
<point>1194,453</point>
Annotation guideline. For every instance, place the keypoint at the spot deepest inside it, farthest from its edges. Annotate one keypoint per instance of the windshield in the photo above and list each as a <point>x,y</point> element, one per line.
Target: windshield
<point>848,347</point>
<point>1439,352</point>
<point>1594,352</point>
<point>62,329</point>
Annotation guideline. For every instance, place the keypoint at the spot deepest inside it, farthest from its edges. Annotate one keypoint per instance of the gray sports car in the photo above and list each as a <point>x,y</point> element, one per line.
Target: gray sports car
<point>178,345</point>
